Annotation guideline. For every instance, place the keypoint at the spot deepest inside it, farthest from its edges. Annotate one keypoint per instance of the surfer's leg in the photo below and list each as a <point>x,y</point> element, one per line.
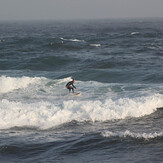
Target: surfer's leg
<point>70,88</point>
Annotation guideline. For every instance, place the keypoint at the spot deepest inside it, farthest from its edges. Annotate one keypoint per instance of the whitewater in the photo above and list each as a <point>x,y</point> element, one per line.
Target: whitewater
<point>45,103</point>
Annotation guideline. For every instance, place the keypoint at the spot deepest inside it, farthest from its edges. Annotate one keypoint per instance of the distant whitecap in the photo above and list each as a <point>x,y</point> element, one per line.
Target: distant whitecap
<point>74,40</point>
<point>95,45</point>
<point>134,33</point>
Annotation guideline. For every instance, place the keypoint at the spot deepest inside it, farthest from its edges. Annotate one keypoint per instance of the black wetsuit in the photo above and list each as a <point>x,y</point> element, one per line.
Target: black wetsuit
<point>70,86</point>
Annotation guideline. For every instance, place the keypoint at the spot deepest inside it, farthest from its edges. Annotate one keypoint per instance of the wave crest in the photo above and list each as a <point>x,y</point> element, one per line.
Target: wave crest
<point>44,114</point>
<point>9,84</point>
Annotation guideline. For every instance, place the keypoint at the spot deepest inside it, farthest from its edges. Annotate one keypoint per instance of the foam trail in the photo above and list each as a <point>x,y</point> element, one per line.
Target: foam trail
<point>132,134</point>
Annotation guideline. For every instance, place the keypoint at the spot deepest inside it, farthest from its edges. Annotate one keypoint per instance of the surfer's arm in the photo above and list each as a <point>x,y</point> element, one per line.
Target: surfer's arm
<point>74,86</point>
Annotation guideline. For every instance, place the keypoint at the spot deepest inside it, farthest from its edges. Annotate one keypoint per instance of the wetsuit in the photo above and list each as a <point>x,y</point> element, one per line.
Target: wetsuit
<point>70,86</point>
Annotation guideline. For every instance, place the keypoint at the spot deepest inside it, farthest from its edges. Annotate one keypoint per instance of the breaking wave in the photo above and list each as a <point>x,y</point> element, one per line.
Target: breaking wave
<point>37,102</point>
<point>9,84</point>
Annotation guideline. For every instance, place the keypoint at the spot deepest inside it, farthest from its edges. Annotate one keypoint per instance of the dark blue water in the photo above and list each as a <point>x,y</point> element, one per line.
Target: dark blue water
<point>118,68</point>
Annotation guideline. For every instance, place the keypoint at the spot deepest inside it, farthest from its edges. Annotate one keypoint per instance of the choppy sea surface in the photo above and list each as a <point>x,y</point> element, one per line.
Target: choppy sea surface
<point>118,68</point>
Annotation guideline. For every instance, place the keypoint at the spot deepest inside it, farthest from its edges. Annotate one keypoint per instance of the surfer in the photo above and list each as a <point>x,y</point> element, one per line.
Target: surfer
<point>70,86</point>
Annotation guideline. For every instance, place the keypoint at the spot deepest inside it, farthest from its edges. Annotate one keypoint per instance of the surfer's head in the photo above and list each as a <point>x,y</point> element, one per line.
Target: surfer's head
<point>73,81</point>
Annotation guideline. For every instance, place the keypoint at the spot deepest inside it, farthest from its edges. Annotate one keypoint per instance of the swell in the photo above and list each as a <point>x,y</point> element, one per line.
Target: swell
<point>77,145</point>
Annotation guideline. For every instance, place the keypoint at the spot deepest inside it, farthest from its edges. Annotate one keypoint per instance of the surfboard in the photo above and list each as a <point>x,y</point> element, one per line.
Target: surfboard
<point>77,94</point>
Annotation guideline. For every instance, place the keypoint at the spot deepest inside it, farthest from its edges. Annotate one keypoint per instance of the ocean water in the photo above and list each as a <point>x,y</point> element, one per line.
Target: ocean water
<point>118,68</point>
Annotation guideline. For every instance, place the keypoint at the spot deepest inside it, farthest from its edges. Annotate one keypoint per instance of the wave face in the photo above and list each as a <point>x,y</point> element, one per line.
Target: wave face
<point>117,65</point>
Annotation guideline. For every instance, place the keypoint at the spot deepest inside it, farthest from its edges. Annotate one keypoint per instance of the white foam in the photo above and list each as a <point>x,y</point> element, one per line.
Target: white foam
<point>8,84</point>
<point>132,134</point>
<point>74,40</point>
<point>61,82</point>
<point>45,103</point>
<point>134,33</point>
<point>46,114</point>
<point>64,80</point>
